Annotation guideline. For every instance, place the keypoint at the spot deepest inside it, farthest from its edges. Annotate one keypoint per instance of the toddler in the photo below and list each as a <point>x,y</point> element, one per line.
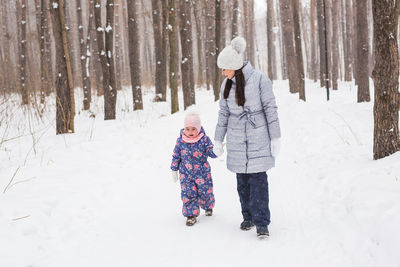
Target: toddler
<point>191,151</point>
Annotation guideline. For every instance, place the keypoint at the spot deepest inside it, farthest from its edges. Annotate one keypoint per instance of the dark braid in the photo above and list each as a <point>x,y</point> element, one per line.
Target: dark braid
<point>240,84</point>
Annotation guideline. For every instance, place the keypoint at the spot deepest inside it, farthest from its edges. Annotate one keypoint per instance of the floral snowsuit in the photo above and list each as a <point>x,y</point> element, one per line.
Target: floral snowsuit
<point>194,174</point>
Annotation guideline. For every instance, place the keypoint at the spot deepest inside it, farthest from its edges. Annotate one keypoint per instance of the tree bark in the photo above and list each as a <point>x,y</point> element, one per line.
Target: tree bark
<point>287,24</point>
<point>348,49</point>
<point>314,47</point>
<point>23,52</point>
<point>65,102</point>
<point>271,41</point>
<point>199,33</point>
<point>299,51</point>
<point>42,25</point>
<point>164,62</point>
<point>235,19</point>
<point>82,56</point>
<point>187,53</point>
<point>217,77</point>
<point>321,38</point>
<point>362,53</point>
<point>173,58</point>
<point>335,44</point>
<point>134,54</point>
<point>157,47</point>
<point>252,30</point>
<point>386,78</point>
<point>110,92</point>
<point>118,62</point>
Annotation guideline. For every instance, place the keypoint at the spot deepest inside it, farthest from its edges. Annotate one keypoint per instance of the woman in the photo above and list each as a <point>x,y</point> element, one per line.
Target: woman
<point>249,119</point>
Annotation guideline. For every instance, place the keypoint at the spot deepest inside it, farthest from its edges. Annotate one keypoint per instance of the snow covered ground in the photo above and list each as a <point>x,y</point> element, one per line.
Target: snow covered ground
<point>104,197</point>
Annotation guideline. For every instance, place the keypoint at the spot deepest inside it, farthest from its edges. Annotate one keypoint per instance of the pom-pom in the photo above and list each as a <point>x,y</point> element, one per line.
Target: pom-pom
<point>239,44</point>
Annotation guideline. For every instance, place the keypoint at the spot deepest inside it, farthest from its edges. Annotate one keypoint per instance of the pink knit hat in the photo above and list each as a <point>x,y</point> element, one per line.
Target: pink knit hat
<point>193,119</point>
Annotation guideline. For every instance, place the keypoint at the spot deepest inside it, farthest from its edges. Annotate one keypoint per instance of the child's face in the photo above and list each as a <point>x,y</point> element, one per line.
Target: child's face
<point>191,131</point>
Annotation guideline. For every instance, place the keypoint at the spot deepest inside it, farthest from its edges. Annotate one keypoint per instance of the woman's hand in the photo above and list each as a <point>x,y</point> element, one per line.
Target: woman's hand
<point>275,147</point>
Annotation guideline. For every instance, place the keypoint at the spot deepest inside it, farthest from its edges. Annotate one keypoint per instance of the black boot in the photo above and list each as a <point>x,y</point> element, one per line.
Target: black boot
<point>262,231</point>
<point>246,225</point>
<point>191,220</point>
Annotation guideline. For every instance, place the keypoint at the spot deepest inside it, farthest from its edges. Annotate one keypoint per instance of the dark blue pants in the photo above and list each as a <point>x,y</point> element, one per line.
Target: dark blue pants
<point>254,198</point>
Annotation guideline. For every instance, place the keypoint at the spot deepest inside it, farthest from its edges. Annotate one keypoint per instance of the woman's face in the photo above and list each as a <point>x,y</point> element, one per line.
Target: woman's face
<point>228,73</point>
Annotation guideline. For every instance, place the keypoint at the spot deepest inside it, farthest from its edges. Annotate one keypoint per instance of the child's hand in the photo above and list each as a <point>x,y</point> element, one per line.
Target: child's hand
<point>174,176</point>
<point>218,149</point>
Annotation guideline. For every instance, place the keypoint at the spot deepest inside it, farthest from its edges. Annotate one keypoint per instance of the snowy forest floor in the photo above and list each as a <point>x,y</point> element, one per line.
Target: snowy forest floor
<point>103,196</point>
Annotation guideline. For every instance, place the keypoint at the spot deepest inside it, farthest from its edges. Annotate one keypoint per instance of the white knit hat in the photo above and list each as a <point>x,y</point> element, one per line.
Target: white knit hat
<point>231,57</point>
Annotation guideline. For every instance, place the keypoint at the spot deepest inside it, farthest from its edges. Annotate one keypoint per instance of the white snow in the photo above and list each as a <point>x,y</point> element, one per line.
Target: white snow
<point>55,5</point>
<point>108,28</point>
<point>103,196</point>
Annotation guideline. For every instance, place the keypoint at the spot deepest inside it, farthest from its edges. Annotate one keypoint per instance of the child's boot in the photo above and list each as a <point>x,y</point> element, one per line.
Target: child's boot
<point>191,220</point>
<point>209,212</point>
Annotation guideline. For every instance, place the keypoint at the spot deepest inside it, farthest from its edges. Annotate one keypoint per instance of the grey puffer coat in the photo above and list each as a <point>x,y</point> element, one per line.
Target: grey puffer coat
<point>249,129</point>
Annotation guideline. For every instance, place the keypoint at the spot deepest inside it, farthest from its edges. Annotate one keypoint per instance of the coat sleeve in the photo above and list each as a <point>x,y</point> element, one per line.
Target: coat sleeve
<point>223,116</point>
<point>270,107</point>
<point>209,148</point>
<point>176,157</point>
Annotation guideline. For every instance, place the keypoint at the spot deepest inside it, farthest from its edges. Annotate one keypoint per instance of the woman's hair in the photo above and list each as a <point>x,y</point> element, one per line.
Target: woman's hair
<point>240,83</point>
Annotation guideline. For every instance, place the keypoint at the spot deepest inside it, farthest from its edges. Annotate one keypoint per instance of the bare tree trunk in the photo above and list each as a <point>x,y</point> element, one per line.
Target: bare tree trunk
<point>97,82</point>
<point>82,56</point>
<point>157,47</point>
<point>23,53</point>
<point>354,42</point>
<point>134,54</point>
<point>283,61</point>
<point>110,92</point>
<point>246,29</point>
<point>65,94</point>
<point>117,45</point>
<point>200,71</point>
<point>348,49</point>
<point>187,53</point>
<point>42,27</point>
<point>235,19</point>
<point>173,58</point>
<point>322,60</point>
<point>362,52</point>
<point>386,78</point>
<point>9,80</point>
<point>298,51</point>
<point>252,56</point>
<point>165,33</point>
<point>211,46</point>
<point>314,46</point>
<point>287,24</point>
<point>335,44</point>
<point>49,52</point>
<point>207,71</point>
<point>217,77</point>
<point>271,41</point>
<point>223,6</point>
